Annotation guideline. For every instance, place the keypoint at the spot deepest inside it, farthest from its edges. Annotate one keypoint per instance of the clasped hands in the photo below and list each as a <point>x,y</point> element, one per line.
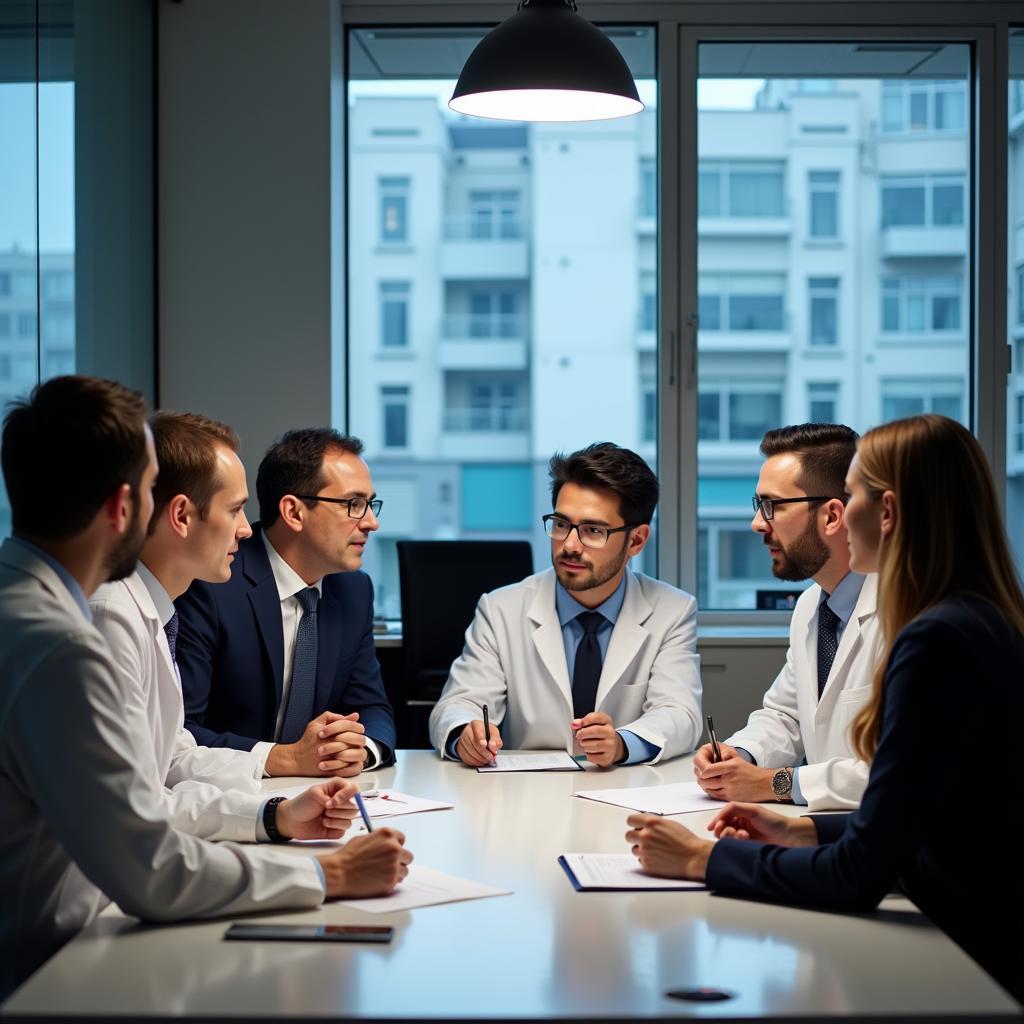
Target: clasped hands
<point>595,733</point>
<point>331,744</point>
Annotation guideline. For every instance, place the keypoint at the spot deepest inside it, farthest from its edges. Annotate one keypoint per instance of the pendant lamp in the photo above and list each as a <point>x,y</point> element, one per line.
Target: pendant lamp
<point>546,63</point>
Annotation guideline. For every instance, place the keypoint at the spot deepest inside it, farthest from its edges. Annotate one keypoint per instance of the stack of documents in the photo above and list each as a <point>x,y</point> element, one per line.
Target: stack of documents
<point>534,761</point>
<point>424,887</point>
<point>380,803</point>
<point>613,872</point>
<point>676,798</point>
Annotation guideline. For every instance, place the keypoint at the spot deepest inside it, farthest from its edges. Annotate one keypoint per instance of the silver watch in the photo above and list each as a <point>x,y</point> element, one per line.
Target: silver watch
<point>782,785</point>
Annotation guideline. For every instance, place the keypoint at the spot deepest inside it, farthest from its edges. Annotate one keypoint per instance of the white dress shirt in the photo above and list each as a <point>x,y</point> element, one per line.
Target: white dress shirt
<point>289,584</point>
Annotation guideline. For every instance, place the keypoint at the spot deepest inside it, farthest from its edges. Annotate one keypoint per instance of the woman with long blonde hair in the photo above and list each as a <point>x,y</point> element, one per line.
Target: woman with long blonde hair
<point>923,514</point>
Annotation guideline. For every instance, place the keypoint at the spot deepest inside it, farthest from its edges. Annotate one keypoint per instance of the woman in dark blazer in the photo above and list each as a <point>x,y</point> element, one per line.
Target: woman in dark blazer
<point>941,728</point>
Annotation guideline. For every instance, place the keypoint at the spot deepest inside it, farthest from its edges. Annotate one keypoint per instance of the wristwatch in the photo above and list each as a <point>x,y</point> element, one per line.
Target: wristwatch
<point>782,785</point>
<point>270,820</point>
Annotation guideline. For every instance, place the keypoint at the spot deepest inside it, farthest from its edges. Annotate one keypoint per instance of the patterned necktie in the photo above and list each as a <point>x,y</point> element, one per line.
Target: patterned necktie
<point>586,672</point>
<point>303,687</point>
<point>827,643</point>
<point>171,629</point>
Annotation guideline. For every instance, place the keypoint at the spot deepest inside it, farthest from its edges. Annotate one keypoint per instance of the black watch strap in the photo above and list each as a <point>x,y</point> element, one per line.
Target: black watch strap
<point>270,819</point>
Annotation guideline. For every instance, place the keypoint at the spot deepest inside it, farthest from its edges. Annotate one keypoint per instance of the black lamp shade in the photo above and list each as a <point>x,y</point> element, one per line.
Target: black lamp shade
<point>546,63</point>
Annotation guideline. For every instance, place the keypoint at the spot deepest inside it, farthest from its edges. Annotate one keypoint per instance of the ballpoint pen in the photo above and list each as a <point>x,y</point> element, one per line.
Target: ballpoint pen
<point>716,753</point>
<point>487,732</point>
<point>362,810</point>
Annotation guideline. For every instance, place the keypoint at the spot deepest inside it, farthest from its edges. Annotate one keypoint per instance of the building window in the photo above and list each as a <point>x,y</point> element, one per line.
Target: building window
<point>1020,424</point>
<point>5,284</point>
<point>922,201</point>
<point>741,189</point>
<point>921,305</point>
<point>741,555</point>
<point>495,214</point>
<point>492,314</point>
<point>648,303</point>
<point>486,402</point>
<point>648,374</point>
<point>738,410</point>
<point>923,106</point>
<point>27,325</point>
<point>394,401</point>
<point>394,314</point>
<point>823,295</point>
<point>902,398</point>
<point>648,203</point>
<point>822,403</point>
<point>741,302</point>
<point>394,209</point>
<point>1020,294</point>
<point>824,201</point>
<point>497,497</point>
<point>5,325</point>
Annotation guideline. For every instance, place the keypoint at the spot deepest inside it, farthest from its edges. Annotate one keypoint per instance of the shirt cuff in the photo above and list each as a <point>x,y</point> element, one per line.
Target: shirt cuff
<point>261,751</point>
<point>746,755</point>
<point>453,741</point>
<point>320,871</point>
<point>261,832</point>
<point>796,793</point>
<point>375,756</point>
<point>637,749</point>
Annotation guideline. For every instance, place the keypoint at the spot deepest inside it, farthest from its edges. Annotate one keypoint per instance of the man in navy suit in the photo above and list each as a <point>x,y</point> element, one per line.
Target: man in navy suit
<point>280,660</point>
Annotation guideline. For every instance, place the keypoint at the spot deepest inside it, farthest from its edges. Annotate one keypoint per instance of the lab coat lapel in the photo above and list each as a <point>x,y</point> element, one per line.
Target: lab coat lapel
<point>547,636</point>
<point>627,638</point>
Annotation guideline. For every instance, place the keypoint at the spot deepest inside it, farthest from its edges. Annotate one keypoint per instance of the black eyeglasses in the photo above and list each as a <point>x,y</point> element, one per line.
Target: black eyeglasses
<point>558,528</point>
<point>356,506</point>
<point>766,506</point>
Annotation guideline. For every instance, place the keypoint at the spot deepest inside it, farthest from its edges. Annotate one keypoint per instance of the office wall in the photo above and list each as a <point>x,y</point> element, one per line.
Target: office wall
<point>249,243</point>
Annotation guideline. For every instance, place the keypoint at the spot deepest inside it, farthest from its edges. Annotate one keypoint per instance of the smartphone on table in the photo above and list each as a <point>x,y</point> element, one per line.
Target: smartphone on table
<point>311,932</point>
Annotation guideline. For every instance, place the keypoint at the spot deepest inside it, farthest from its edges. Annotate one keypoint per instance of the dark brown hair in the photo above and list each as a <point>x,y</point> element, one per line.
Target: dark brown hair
<point>66,449</point>
<point>825,451</point>
<point>606,466</point>
<point>187,453</point>
<point>294,465</point>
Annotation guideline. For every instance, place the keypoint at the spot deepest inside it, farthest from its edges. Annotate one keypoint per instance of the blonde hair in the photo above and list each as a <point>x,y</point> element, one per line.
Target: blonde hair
<point>948,539</point>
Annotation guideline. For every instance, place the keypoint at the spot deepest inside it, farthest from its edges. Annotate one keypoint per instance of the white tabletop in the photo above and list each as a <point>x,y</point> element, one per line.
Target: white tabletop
<point>545,952</point>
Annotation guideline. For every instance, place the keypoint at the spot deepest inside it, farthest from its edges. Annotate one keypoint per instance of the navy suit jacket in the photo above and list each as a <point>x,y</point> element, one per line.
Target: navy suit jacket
<point>954,682</point>
<point>230,653</point>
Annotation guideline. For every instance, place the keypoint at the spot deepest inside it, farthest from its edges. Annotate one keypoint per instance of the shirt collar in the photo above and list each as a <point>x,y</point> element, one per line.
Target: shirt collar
<point>288,581</point>
<point>73,586</point>
<point>568,607</point>
<point>161,599</point>
<point>843,598</point>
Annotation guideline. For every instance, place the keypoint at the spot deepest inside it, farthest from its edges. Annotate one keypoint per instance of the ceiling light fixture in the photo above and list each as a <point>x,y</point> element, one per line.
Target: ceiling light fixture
<point>546,63</point>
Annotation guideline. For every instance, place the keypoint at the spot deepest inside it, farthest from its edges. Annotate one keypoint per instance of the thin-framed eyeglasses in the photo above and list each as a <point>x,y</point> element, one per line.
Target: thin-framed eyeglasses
<point>356,506</point>
<point>766,506</point>
<point>591,536</point>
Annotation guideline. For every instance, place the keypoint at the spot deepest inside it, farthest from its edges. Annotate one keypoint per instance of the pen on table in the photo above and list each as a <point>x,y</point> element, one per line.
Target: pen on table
<point>362,810</point>
<point>715,752</point>
<point>487,732</point>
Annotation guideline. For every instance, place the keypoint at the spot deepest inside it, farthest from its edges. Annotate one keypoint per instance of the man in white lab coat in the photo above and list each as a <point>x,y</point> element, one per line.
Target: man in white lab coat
<point>796,747</point>
<point>86,821</point>
<point>587,656</point>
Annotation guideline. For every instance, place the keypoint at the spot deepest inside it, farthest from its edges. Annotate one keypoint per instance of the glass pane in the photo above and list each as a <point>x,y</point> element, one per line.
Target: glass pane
<point>530,252</point>
<point>897,304</point>
<point>1015,301</point>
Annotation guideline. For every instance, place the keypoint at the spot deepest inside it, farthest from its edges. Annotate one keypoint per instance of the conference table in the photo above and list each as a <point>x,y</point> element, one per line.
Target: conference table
<point>545,952</point>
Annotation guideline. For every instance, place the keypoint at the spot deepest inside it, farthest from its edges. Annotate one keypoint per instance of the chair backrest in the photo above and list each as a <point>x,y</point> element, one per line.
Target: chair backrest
<point>441,582</point>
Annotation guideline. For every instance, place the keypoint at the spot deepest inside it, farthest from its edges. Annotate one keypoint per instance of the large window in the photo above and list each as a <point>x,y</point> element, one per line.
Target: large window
<point>502,294</point>
<point>868,312</point>
<point>1015,300</point>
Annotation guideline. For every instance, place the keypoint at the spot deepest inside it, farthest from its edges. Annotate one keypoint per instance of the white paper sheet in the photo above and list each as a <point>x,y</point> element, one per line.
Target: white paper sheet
<point>618,871</point>
<point>676,798</point>
<point>534,761</point>
<point>424,887</point>
<point>386,803</point>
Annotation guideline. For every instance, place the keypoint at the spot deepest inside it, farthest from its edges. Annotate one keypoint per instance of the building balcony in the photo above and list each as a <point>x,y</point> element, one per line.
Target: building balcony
<point>484,251</point>
<point>472,341</point>
<point>486,433</point>
<point>744,227</point>
<point>899,242</point>
<point>745,341</point>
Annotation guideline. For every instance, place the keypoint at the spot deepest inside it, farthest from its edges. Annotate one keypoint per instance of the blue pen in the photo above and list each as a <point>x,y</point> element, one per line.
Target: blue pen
<point>362,810</point>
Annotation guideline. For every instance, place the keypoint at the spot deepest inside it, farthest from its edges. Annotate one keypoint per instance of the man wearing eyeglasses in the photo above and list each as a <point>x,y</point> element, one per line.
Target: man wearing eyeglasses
<point>281,660</point>
<point>587,656</point>
<point>796,748</point>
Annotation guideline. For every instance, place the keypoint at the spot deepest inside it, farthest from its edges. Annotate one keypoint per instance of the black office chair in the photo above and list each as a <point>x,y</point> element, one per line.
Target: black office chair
<point>441,582</point>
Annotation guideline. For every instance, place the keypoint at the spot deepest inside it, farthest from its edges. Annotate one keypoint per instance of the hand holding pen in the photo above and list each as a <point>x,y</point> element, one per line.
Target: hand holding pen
<point>479,742</point>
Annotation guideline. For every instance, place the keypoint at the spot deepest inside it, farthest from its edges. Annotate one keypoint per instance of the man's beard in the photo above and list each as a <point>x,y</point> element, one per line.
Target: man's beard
<point>591,579</point>
<point>803,558</point>
<point>122,560</point>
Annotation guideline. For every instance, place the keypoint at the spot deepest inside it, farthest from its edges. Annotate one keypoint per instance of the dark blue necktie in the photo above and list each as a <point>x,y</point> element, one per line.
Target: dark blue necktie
<point>586,672</point>
<point>171,629</point>
<point>303,686</point>
<point>828,643</point>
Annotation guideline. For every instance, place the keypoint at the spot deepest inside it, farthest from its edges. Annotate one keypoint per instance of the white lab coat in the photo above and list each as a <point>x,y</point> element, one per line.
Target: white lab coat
<point>793,724</point>
<point>84,816</point>
<point>213,793</point>
<point>514,662</point>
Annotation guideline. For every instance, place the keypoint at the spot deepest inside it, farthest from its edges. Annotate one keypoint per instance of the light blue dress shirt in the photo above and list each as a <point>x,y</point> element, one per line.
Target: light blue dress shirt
<point>568,608</point>
<point>842,601</point>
